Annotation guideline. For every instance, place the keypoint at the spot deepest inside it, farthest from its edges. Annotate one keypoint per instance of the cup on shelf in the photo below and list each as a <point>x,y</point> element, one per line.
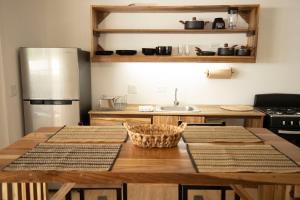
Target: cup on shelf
<point>163,50</point>
<point>183,50</point>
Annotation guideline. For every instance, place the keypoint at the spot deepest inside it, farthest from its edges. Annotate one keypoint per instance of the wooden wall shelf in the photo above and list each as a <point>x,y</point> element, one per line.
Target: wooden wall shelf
<point>248,12</point>
<point>207,59</point>
<point>180,31</point>
<point>180,9</point>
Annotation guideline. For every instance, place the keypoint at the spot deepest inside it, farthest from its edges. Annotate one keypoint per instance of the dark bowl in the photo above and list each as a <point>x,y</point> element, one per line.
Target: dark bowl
<point>104,53</point>
<point>148,51</point>
<point>126,52</point>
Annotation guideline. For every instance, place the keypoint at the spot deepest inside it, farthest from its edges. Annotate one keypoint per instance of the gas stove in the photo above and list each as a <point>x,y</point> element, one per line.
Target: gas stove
<point>281,111</point>
<point>282,114</point>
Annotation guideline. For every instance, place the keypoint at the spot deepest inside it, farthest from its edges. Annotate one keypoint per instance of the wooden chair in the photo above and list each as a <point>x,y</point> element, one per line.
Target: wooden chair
<point>223,189</point>
<point>23,191</point>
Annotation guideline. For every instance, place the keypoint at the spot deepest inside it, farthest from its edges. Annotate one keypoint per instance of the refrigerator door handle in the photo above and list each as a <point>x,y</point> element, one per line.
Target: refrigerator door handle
<point>51,102</point>
<point>36,102</point>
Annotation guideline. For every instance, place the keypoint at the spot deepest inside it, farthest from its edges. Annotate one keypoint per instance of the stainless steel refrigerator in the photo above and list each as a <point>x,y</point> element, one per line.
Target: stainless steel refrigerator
<point>56,85</point>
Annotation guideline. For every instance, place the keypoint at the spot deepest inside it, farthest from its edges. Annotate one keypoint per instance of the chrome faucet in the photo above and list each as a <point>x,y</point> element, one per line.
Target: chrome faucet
<point>176,102</point>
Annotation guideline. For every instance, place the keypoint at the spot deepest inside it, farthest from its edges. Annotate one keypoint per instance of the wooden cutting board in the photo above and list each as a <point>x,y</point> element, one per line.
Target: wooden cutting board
<point>242,108</point>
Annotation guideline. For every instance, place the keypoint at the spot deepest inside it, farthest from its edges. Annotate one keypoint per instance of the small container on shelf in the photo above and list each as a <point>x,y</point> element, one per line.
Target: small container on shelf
<point>218,23</point>
<point>233,14</point>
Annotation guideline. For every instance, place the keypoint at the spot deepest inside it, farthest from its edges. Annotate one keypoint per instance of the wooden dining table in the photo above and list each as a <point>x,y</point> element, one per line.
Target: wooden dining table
<point>154,166</point>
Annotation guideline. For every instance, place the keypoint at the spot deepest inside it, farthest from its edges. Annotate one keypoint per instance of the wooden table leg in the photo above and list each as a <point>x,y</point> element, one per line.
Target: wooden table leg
<point>271,192</point>
<point>63,190</point>
<point>238,189</point>
<point>297,191</point>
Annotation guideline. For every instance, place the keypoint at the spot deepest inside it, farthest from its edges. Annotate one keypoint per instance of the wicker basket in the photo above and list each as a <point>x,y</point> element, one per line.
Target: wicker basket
<point>150,135</point>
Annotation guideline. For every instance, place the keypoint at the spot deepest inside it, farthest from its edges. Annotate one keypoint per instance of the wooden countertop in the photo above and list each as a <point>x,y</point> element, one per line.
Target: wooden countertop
<point>205,110</point>
<point>137,165</point>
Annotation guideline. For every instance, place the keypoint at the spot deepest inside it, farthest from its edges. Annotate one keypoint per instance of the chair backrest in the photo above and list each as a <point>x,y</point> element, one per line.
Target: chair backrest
<point>222,123</point>
<point>23,191</point>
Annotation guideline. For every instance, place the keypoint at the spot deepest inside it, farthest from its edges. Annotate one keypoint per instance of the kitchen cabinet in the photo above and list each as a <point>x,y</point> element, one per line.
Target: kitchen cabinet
<point>249,13</point>
<point>208,113</point>
<point>100,120</point>
<point>173,120</point>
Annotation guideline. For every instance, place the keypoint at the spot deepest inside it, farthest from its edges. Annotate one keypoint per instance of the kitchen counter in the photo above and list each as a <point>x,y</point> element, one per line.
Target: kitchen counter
<point>205,110</point>
<point>206,113</point>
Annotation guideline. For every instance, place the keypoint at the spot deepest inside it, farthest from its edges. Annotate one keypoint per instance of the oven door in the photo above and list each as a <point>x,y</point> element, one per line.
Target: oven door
<point>292,135</point>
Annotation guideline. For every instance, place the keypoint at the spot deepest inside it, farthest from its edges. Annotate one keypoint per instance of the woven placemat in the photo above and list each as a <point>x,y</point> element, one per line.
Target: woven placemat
<point>62,157</point>
<point>226,134</point>
<point>240,158</point>
<point>90,134</point>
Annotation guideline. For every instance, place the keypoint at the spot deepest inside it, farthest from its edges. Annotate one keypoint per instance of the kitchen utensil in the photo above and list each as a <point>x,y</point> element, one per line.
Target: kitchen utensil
<point>126,52</point>
<point>194,24</point>
<point>102,52</point>
<point>241,108</point>
<point>148,51</point>
<point>243,51</point>
<point>226,50</point>
<point>199,52</point>
<point>218,23</point>
<point>232,17</point>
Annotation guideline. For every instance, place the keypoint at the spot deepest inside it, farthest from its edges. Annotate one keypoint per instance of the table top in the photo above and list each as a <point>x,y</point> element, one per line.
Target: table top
<point>138,165</point>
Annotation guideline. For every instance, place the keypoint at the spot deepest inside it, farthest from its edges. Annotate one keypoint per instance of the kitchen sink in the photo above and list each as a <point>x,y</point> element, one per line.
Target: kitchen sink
<point>177,108</point>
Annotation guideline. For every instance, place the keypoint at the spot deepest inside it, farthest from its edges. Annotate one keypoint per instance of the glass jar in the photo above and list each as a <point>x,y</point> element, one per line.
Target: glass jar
<point>232,17</point>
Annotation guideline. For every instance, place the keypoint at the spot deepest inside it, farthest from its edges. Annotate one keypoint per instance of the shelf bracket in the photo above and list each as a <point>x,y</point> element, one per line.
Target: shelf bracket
<point>251,33</point>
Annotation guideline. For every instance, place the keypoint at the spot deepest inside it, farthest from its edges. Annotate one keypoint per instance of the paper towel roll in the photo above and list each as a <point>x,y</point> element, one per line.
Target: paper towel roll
<point>224,73</point>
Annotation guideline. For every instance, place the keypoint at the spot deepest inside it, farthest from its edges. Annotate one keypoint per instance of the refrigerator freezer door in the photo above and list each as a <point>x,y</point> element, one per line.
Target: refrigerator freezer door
<point>50,73</point>
<point>47,113</point>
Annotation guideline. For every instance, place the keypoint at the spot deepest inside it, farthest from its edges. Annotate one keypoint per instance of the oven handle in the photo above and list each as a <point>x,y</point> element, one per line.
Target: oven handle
<point>289,132</point>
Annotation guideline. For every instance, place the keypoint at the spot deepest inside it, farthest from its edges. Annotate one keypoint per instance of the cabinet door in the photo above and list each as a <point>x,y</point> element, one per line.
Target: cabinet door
<point>191,119</point>
<point>99,120</point>
<point>228,121</point>
<point>152,191</point>
<point>171,120</point>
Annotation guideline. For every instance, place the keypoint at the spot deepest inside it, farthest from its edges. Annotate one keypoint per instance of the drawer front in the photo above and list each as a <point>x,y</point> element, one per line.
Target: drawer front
<point>228,121</point>
<point>191,119</point>
<point>171,120</point>
<point>118,121</point>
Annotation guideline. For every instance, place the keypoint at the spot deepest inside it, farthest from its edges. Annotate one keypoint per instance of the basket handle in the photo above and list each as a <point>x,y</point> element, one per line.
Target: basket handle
<point>126,125</point>
<point>182,125</point>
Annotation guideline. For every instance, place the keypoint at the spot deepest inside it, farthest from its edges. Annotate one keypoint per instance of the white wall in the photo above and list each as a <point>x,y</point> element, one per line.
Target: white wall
<point>276,70</point>
<point>3,119</point>
<point>20,25</point>
<point>61,23</point>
